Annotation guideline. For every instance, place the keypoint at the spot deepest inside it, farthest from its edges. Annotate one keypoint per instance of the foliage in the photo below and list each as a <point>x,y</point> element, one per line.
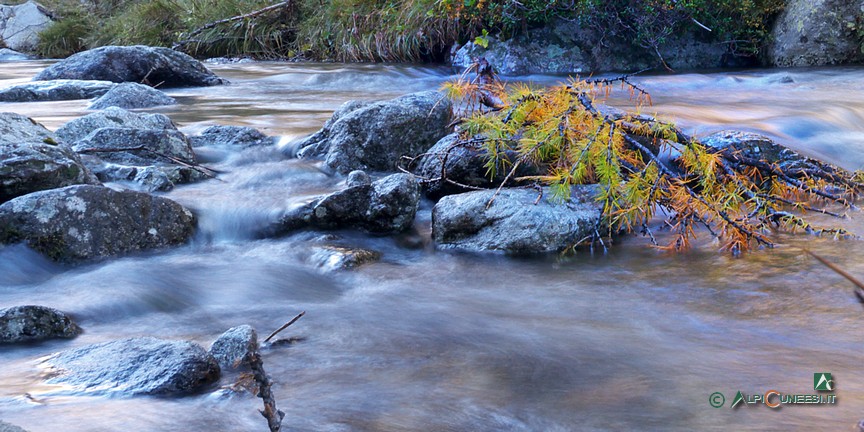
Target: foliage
<point>65,37</point>
<point>563,130</point>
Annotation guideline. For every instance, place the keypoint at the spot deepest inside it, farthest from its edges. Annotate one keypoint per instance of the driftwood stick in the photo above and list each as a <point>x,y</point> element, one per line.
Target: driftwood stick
<point>200,168</point>
<point>270,412</point>
<point>284,326</point>
<point>859,286</point>
<point>228,20</point>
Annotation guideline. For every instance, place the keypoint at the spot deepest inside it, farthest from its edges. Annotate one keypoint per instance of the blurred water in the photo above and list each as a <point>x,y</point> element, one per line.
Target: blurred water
<point>428,340</point>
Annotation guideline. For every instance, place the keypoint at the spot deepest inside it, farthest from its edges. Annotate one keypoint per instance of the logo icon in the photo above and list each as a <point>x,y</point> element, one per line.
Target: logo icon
<point>738,399</point>
<point>822,381</point>
<point>717,399</point>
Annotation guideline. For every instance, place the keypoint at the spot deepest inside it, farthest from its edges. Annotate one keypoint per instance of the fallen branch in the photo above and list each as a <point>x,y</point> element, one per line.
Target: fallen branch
<point>270,412</point>
<point>284,326</point>
<point>859,286</point>
<point>210,25</point>
<point>209,172</point>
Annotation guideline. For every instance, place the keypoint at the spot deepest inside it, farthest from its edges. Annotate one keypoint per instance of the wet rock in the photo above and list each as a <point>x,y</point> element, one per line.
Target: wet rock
<point>141,64</point>
<point>231,347</point>
<point>231,136</point>
<point>83,222</point>
<point>463,164</point>
<point>759,147</point>
<point>136,366</point>
<point>568,47</point>
<point>817,32</point>
<point>35,323</point>
<point>20,25</point>
<point>31,160</point>
<point>376,135</point>
<point>56,90</point>
<point>385,206</point>
<point>115,117</point>
<point>152,145</point>
<point>514,224</point>
<point>358,178</point>
<point>6,427</point>
<point>7,54</point>
<point>130,96</point>
<point>335,258</point>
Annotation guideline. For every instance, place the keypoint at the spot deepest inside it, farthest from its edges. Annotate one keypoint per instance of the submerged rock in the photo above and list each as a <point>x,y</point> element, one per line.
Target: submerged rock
<point>82,222</point>
<point>514,223</point>
<point>35,323</point>
<point>335,258</point>
<point>375,136</point>
<point>385,206</point>
<point>114,117</point>
<point>31,160</point>
<point>130,96</point>
<point>140,64</point>
<point>816,33</point>
<point>136,366</point>
<point>231,136</point>
<point>55,90</point>
<point>231,348</point>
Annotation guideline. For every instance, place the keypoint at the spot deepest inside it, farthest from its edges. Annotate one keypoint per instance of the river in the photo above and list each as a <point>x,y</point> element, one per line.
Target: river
<point>429,340</point>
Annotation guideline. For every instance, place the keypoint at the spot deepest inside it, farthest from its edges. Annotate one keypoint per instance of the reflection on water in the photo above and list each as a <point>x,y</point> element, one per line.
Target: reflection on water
<point>428,340</point>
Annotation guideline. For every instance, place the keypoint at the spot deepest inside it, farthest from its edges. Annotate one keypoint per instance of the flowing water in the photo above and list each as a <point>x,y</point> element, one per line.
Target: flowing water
<point>428,340</point>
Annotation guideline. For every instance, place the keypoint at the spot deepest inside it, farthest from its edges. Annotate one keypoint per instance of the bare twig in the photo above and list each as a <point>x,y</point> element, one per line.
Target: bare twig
<point>284,326</point>
<point>210,25</point>
<point>270,412</point>
<point>859,286</point>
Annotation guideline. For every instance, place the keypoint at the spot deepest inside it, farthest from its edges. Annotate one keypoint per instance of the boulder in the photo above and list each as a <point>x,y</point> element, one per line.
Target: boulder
<point>31,160</point>
<point>8,55</point>
<point>817,32</point>
<point>759,147</point>
<point>82,222</point>
<point>231,136</point>
<point>6,427</point>
<point>385,206</point>
<point>570,47</point>
<point>35,323</point>
<point>55,90</point>
<point>115,117</point>
<point>20,25</point>
<point>130,96</point>
<point>375,136</point>
<point>334,258</point>
<point>515,223</point>
<point>141,64</point>
<point>231,348</point>
<point>463,164</point>
<point>136,366</point>
<point>153,145</point>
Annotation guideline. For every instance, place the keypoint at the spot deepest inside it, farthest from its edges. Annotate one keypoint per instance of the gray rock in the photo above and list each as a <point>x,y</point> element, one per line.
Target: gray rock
<point>35,323</point>
<point>56,90</point>
<point>358,178</point>
<point>136,366</point>
<point>141,64</point>
<point>79,128</point>
<point>817,32</point>
<point>569,47</point>
<point>375,136</point>
<point>130,96</point>
<point>6,427</point>
<point>231,136</point>
<point>7,54</point>
<point>31,160</point>
<point>514,224</point>
<point>464,164</point>
<point>154,145</point>
<point>336,258</point>
<point>82,222</point>
<point>386,206</point>
<point>759,147</point>
<point>20,25</point>
<point>231,348</point>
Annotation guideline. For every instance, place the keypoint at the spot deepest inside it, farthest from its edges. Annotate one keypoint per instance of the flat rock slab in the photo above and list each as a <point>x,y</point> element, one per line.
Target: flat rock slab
<point>35,323</point>
<point>113,117</point>
<point>514,224</point>
<point>151,65</point>
<point>83,222</point>
<point>55,90</point>
<point>136,366</point>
